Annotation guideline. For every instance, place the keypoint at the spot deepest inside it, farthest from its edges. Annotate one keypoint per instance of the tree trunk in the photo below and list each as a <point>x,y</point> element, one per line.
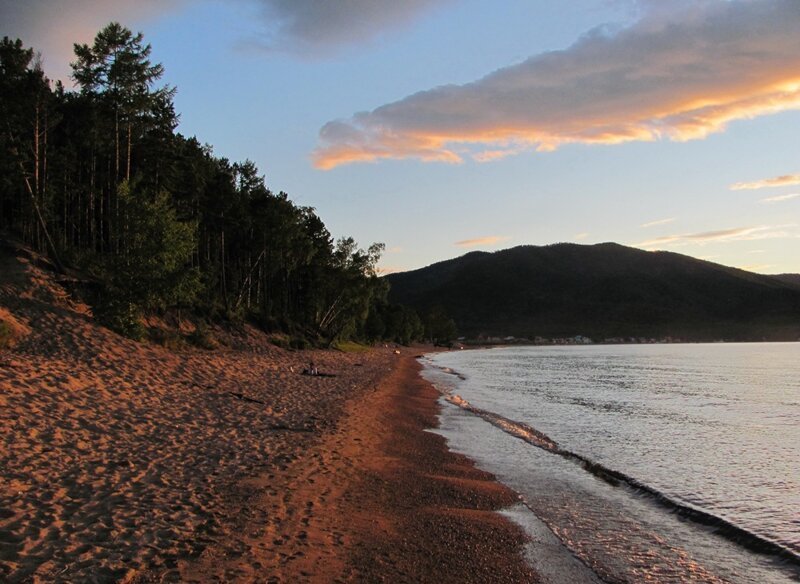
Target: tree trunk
<point>50,245</point>
<point>128,161</point>
<point>224,276</point>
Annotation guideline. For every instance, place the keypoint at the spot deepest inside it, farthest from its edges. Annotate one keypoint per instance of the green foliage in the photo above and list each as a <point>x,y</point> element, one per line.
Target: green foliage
<point>601,291</point>
<point>115,74</point>
<point>393,322</point>
<point>160,219</point>
<point>300,343</point>
<point>350,347</point>
<point>169,339</point>
<point>201,337</point>
<point>439,327</point>
<point>351,287</point>
<point>150,268</point>
<point>7,337</point>
<point>280,340</point>
<point>121,316</point>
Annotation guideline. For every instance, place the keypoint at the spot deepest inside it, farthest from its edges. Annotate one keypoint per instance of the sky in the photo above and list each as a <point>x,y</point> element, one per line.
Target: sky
<point>440,127</point>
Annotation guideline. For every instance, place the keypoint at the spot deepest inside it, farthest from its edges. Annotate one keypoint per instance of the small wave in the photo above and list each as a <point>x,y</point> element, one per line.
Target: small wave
<point>429,363</point>
<point>615,478</point>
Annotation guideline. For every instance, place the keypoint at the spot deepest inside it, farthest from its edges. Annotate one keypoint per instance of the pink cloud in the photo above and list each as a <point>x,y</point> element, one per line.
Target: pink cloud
<point>52,28</point>
<point>778,181</point>
<point>754,233</point>
<point>482,241</point>
<point>677,75</point>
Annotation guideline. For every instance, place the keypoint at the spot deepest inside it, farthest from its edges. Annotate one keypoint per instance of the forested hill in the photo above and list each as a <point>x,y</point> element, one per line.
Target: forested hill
<point>99,179</point>
<point>792,279</point>
<point>601,291</point>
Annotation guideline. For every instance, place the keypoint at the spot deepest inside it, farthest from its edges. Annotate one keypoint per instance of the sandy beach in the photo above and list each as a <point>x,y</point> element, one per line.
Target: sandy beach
<point>124,461</point>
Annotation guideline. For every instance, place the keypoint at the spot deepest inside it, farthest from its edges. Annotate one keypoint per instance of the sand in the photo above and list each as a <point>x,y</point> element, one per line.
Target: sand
<point>125,461</point>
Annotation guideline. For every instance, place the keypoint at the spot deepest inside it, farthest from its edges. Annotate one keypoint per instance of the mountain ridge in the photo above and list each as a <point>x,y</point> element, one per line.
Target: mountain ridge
<point>602,290</point>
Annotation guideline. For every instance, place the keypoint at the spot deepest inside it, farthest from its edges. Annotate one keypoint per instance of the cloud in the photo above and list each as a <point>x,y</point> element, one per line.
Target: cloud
<point>52,28</point>
<point>736,234</point>
<point>778,181</point>
<point>678,75</point>
<point>780,198</point>
<point>316,26</point>
<point>386,270</point>
<point>581,236</point>
<point>300,26</point>
<point>482,241</point>
<point>658,222</point>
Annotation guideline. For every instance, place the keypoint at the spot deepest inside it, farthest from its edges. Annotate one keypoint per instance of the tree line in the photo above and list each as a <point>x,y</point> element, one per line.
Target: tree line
<point>99,178</point>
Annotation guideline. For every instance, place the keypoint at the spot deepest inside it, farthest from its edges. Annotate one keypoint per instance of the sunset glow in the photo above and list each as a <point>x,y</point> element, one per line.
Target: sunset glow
<point>490,240</point>
<point>780,181</point>
<point>424,123</point>
<point>654,80</point>
<point>313,290</point>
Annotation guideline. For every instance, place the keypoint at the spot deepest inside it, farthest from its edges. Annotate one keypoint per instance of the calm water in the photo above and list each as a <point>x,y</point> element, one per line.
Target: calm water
<point>666,463</point>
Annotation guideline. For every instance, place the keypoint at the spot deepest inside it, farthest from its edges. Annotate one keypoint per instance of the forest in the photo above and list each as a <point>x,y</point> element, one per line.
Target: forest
<point>98,178</point>
<point>602,291</point>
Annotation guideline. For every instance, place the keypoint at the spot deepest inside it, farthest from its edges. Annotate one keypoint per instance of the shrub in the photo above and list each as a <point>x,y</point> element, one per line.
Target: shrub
<point>7,337</point>
<point>280,340</point>
<point>122,317</point>
<point>300,343</point>
<point>170,340</point>
<point>202,337</point>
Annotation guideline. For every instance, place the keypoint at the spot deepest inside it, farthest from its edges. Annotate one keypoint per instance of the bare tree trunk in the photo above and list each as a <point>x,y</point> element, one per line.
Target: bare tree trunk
<point>43,226</point>
<point>44,158</point>
<point>36,184</point>
<point>224,277</point>
<point>37,189</point>
<point>248,282</point>
<point>128,164</point>
<point>116,144</point>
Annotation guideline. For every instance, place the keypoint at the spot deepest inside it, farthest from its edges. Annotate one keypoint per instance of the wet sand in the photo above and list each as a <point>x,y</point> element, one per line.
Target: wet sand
<point>123,461</point>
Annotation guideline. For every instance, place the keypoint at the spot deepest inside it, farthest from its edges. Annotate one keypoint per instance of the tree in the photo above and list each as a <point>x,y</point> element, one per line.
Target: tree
<point>352,284</point>
<point>151,269</point>
<point>161,220</point>
<point>25,105</point>
<point>404,325</point>
<point>439,328</point>
<point>116,70</point>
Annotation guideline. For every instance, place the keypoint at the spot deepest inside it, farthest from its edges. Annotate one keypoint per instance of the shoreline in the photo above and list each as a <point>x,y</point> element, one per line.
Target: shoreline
<point>378,499</point>
<point>683,541</point>
<point>123,461</point>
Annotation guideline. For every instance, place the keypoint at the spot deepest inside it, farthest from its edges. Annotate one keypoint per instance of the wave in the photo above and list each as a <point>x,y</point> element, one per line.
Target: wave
<point>718,525</point>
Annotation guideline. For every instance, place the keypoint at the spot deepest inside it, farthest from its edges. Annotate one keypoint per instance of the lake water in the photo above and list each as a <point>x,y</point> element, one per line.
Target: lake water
<point>663,463</point>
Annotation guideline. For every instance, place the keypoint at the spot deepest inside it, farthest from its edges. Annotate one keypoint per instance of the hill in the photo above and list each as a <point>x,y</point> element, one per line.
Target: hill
<point>604,290</point>
<point>792,279</point>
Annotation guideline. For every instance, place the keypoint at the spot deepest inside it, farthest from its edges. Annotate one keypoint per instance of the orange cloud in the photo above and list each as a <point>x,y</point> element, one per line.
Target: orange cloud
<point>677,75</point>
<point>477,242</point>
<point>781,198</point>
<point>736,234</point>
<point>386,270</point>
<point>779,181</point>
<point>658,222</point>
